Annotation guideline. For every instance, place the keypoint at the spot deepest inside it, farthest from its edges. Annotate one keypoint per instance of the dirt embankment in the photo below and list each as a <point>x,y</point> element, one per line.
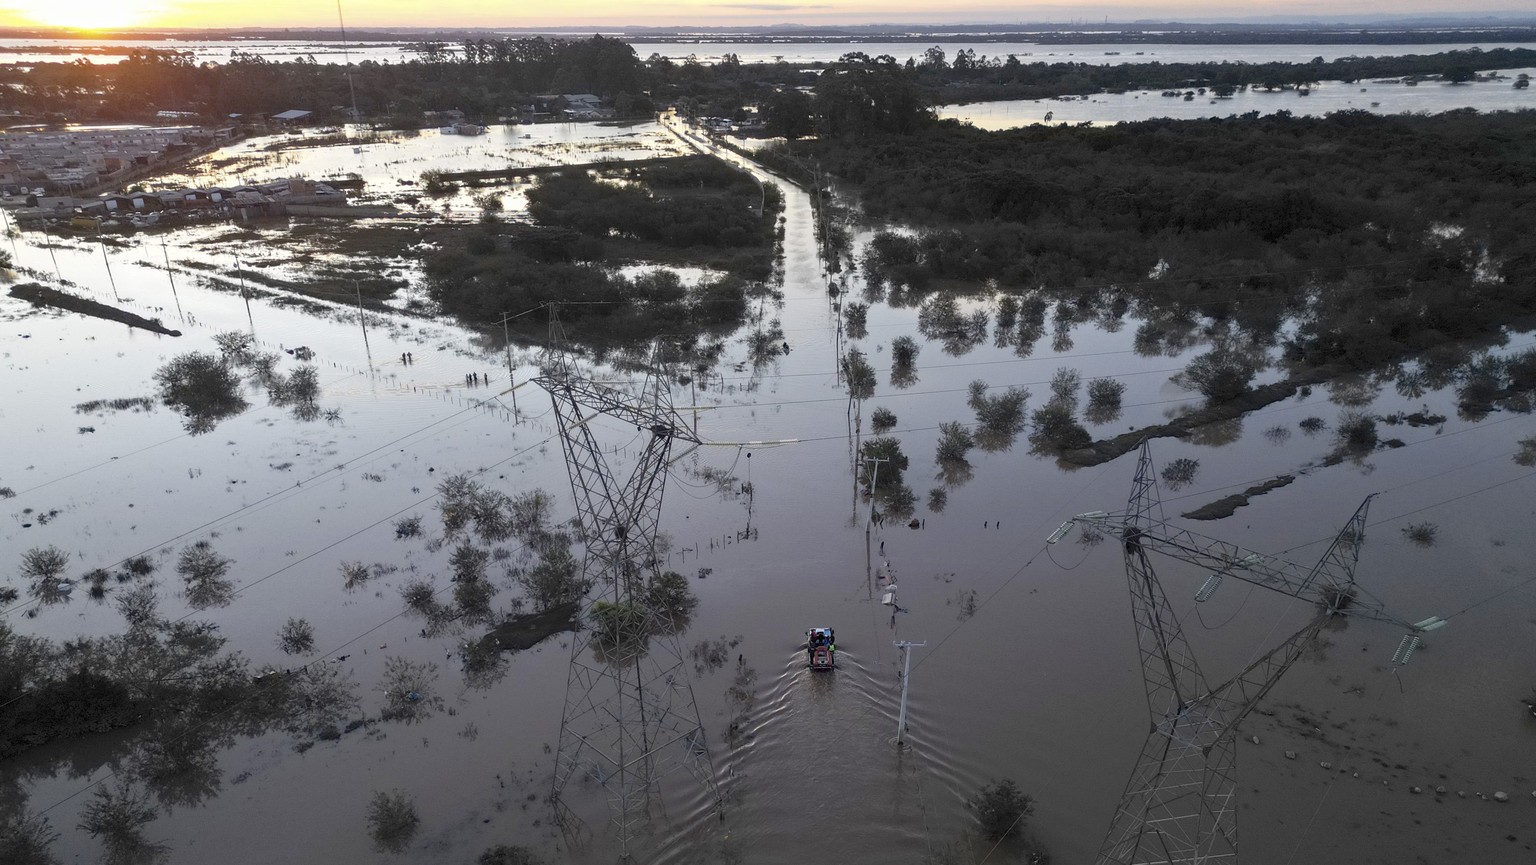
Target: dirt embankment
<point>43,296</point>
<point>1104,450</point>
<point>525,632</point>
<point>1225,507</point>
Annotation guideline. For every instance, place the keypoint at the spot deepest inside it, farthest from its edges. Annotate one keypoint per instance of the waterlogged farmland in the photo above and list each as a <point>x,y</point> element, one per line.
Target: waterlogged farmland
<point>315,497</point>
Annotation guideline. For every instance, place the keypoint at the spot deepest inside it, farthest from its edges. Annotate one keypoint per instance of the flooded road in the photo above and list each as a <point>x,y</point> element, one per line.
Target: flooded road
<point>1030,669</point>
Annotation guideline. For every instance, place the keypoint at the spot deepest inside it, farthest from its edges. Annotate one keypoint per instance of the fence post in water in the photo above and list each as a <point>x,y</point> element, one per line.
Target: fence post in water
<point>110,278</point>
<point>906,647</point>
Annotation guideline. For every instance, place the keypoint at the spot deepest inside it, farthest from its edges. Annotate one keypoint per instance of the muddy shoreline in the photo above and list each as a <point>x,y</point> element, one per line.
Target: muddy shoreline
<point>1104,450</point>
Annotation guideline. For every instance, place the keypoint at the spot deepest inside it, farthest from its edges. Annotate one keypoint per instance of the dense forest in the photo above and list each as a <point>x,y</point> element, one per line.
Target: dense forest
<point>489,78</point>
<point>694,211</point>
<point>1382,236</point>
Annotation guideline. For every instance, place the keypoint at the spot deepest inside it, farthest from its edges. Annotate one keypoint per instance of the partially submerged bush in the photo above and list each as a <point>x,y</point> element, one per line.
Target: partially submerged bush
<point>555,580</point>
<point>1526,455</point>
<point>883,419</point>
<point>999,417</point>
<point>296,637</point>
<point>1356,431</point>
<point>1421,534</point>
<point>408,527</point>
<point>354,575</point>
<point>408,691</point>
<point>116,816</point>
<point>618,625</point>
<point>1105,394</point>
<point>856,314</point>
<point>26,837</point>
<point>1220,374</point>
<point>392,821</point>
<point>204,572</point>
<point>1180,473</point>
<point>955,442</point>
<point>1065,385</point>
<point>202,387</point>
<point>938,498</point>
<point>1056,429</point>
<point>669,596</point>
<point>1000,809</point>
<point>900,501</point>
<point>43,568</point>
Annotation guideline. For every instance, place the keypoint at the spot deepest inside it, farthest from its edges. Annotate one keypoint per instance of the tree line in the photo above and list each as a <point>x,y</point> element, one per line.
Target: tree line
<point>487,78</point>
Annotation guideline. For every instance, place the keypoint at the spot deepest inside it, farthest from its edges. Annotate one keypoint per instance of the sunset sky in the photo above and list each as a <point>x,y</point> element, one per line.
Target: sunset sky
<point>545,13</point>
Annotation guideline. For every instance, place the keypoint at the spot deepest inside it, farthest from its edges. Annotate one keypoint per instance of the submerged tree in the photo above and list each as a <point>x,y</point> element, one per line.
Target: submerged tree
<point>408,691</point>
<point>1065,385</point>
<point>25,838</point>
<point>860,375</point>
<point>1104,396</point>
<point>1000,809</point>
<point>1056,429</point>
<point>43,569</point>
<point>892,462</point>
<point>555,580</point>
<point>204,572</point>
<point>882,420</point>
<point>116,816</point>
<point>1220,374</point>
<point>999,416</point>
<point>203,388</point>
<point>1180,473</point>
<point>296,637</point>
<point>669,597</point>
<point>955,442</point>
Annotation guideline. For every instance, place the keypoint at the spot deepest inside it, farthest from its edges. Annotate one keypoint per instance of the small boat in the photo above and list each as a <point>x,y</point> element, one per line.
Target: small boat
<point>820,648</point>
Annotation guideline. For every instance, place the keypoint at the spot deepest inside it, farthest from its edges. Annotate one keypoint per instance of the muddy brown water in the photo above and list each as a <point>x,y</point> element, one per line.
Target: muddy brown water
<point>1038,684</point>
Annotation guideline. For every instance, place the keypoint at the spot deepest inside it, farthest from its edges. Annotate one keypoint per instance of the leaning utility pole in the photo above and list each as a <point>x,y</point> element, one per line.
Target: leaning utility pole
<point>1178,805</point>
<point>630,716</point>
<point>906,647</point>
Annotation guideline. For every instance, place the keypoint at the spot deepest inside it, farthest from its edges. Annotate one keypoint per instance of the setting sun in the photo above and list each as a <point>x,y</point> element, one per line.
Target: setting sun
<point>85,14</point>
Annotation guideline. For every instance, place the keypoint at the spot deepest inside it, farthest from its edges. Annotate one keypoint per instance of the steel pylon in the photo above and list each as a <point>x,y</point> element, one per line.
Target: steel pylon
<point>1178,806</point>
<point>630,716</point>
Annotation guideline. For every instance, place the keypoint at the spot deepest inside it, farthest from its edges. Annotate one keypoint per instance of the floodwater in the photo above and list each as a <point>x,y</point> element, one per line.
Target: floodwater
<point>1376,97</point>
<point>391,164</point>
<point>29,51</point>
<point>1029,670</point>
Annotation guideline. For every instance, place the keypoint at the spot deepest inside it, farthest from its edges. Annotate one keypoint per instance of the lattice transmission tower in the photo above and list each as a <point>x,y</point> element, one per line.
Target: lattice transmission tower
<point>1178,805</point>
<point>630,717</point>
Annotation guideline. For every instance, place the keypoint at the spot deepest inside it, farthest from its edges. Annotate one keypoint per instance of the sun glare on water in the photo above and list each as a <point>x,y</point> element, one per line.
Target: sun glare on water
<point>85,14</point>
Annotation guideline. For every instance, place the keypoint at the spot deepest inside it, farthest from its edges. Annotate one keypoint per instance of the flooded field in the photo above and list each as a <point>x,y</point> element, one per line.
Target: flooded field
<point>1029,670</point>
<point>1376,97</point>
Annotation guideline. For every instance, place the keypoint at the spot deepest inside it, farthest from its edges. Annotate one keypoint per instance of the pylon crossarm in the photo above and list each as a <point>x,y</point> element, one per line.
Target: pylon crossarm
<point>1259,569</point>
<point>661,419</point>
